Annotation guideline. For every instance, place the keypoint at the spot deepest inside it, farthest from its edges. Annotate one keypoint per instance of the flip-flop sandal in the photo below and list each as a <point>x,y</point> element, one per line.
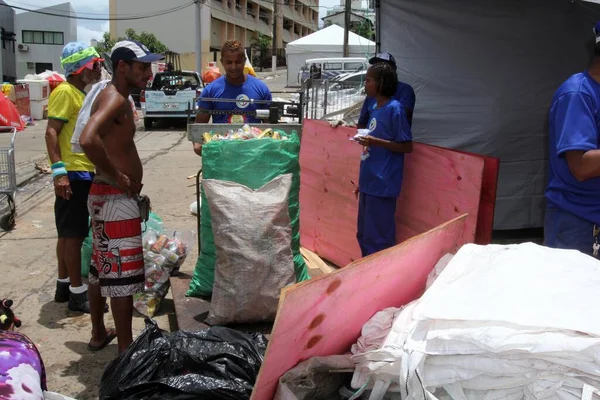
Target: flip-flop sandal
<point>110,336</point>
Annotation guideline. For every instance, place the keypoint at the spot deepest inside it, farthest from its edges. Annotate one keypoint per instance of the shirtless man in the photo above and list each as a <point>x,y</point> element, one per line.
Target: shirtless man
<point>117,262</point>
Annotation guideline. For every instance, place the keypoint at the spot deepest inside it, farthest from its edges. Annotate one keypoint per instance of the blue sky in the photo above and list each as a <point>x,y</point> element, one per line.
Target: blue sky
<point>87,30</point>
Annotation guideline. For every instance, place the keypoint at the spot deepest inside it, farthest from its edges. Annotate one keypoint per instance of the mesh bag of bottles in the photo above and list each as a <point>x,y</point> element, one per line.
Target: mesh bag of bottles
<point>251,158</point>
<point>164,253</point>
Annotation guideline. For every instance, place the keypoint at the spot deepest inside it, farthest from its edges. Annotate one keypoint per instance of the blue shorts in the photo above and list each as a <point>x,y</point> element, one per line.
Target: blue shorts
<point>563,230</point>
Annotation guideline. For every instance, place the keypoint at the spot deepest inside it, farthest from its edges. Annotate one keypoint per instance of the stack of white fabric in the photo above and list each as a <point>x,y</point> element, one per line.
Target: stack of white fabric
<point>499,322</point>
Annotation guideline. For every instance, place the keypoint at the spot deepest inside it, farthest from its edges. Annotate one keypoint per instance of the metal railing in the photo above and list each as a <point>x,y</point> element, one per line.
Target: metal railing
<point>324,98</point>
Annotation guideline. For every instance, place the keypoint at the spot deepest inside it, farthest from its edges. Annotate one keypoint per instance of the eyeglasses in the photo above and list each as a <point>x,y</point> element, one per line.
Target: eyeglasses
<point>94,66</point>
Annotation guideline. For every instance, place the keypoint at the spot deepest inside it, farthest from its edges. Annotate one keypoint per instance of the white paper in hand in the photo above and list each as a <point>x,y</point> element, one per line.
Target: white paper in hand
<point>361,133</point>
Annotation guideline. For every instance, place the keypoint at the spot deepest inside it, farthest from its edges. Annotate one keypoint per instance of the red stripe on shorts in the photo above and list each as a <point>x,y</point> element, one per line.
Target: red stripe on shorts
<point>123,229</point>
<point>131,252</point>
<point>102,190</point>
<point>132,265</point>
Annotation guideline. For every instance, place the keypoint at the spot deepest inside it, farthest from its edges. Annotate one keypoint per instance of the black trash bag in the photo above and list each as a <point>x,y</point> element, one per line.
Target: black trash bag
<point>216,363</point>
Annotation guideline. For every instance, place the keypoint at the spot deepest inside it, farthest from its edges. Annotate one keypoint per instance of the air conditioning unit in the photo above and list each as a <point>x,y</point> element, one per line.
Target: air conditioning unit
<point>23,47</point>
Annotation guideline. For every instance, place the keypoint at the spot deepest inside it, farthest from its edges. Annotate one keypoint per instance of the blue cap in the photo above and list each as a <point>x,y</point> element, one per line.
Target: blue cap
<point>383,57</point>
<point>130,50</point>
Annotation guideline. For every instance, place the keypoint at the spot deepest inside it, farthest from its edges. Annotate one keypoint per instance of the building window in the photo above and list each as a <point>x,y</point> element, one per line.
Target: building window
<point>264,16</point>
<point>40,37</point>
<point>7,36</point>
<point>250,10</point>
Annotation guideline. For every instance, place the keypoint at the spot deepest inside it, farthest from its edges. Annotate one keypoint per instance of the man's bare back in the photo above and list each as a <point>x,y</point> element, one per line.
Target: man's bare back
<point>118,137</point>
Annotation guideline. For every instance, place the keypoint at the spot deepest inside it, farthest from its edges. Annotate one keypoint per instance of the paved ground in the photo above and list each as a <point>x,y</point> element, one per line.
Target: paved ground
<point>28,255</point>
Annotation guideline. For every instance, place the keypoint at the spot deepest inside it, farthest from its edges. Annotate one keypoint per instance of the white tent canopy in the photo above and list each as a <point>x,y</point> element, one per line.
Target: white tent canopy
<point>327,42</point>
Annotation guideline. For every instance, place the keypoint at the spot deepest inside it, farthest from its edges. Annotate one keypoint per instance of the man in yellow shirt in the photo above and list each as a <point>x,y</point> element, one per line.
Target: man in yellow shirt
<point>72,172</point>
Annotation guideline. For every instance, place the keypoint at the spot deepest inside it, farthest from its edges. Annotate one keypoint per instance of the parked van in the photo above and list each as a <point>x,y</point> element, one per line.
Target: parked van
<point>327,68</point>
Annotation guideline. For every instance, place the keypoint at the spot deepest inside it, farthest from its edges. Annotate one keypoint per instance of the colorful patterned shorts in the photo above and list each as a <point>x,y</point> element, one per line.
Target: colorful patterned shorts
<point>117,258</point>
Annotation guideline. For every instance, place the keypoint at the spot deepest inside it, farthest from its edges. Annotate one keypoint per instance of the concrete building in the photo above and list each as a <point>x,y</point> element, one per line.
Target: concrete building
<point>221,20</point>
<point>8,63</point>
<point>41,38</point>
<point>362,10</point>
<point>356,21</point>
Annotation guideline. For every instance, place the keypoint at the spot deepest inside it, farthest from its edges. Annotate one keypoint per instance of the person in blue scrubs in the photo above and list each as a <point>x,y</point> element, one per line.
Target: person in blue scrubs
<point>382,162</point>
<point>235,85</point>
<point>404,93</point>
<point>573,192</point>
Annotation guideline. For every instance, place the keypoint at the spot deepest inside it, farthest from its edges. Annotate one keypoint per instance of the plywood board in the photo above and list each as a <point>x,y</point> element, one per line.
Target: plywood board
<point>487,206</point>
<point>439,184</point>
<point>487,203</point>
<point>313,261</point>
<point>190,311</point>
<point>325,315</point>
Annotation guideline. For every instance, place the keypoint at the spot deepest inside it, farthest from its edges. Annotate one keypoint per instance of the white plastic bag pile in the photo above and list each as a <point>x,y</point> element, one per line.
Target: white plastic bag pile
<point>500,322</point>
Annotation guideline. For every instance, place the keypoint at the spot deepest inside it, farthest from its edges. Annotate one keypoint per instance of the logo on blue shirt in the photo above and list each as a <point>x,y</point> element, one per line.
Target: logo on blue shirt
<point>372,125</point>
<point>243,101</point>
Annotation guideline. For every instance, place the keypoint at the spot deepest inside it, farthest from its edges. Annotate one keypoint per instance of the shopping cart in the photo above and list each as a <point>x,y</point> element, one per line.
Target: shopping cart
<point>8,179</point>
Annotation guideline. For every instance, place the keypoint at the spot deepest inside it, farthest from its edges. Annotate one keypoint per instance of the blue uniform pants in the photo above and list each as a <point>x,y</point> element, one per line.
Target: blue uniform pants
<point>563,230</point>
<point>376,223</point>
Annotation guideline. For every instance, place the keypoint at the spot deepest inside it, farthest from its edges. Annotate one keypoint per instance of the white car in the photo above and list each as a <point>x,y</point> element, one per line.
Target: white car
<point>347,81</point>
<point>344,91</point>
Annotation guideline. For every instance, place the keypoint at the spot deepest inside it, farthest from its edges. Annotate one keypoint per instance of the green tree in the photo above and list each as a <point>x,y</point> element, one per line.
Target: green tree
<point>327,23</point>
<point>364,29</point>
<point>148,39</point>
<point>262,44</point>
<point>106,44</point>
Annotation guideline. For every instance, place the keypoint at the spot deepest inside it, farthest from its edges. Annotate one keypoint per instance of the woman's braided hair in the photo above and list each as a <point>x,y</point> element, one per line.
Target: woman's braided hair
<point>386,78</point>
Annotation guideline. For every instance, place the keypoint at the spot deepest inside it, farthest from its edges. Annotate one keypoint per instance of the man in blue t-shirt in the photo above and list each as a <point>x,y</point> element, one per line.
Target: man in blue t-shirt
<point>235,85</point>
<point>404,94</point>
<point>573,192</point>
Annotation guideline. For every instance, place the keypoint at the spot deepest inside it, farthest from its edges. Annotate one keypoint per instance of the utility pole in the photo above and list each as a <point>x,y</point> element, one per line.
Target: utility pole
<point>347,11</point>
<point>198,10</point>
<point>275,15</point>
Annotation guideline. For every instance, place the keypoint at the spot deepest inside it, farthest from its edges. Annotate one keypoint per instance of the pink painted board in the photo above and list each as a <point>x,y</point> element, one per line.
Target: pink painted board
<point>325,315</point>
<point>439,184</point>
<point>487,206</point>
<point>328,210</point>
<point>487,203</point>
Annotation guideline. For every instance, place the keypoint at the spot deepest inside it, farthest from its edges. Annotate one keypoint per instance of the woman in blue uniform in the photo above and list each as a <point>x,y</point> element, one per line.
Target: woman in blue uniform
<point>382,162</point>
